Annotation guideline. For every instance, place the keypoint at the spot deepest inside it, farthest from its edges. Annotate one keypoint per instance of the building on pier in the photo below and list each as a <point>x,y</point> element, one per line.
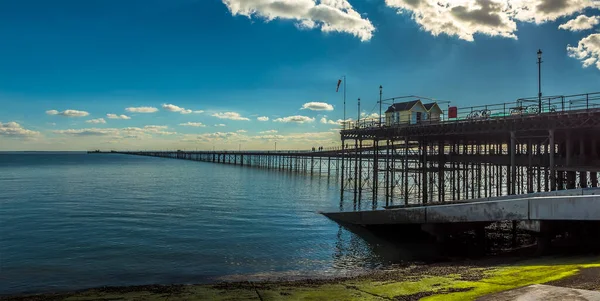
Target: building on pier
<point>412,112</point>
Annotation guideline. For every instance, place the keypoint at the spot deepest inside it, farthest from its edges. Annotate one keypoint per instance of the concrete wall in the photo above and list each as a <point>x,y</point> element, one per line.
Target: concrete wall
<point>549,207</point>
<point>479,212</point>
<point>580,208</point>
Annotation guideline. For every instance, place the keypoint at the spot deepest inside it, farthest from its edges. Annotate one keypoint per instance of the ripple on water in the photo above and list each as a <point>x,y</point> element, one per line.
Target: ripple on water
<point>71,221</point>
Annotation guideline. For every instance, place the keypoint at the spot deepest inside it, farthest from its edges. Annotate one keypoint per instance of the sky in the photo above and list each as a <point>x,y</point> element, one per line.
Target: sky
<point>246,74</point>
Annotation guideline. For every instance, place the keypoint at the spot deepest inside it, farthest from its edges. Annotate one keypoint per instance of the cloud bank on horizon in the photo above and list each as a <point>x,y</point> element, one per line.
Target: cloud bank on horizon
<point>463,19</point>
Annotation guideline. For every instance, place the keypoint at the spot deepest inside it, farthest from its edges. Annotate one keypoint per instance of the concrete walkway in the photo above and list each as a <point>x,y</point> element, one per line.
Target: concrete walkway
<point>543,293</point>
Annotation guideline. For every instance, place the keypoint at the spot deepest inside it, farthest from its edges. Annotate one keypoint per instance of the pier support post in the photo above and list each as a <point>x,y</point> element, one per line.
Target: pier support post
<point>552,166</point>
<point>595,156</point>
<point>530,166</point>
<point>441,165</point>
<point>375,171</point>
<point>406,170</point>
<point>360,171</point>
<point>342,176</point>
<point>513,165</point>
<point>387,173</point>
<point>355,172</point>
<point>570,174</point>
<point>424,170</point>
<point>582,174</point>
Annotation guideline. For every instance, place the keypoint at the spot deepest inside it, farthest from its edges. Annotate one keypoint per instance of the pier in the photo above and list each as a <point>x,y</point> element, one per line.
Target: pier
<point>509,161</point>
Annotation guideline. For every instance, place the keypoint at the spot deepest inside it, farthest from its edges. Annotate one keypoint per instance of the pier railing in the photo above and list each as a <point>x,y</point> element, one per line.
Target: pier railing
<point>521,108</point>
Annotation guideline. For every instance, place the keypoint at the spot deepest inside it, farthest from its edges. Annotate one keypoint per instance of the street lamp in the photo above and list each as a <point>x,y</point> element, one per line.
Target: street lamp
<point>380,94</point>
<point>539,56</point>
<point>358,119</point>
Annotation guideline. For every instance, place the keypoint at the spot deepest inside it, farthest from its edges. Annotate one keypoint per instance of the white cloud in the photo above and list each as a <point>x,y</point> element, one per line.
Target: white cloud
<point>587,51</point>
<point>317,106</point>
<point>230,115</point>
<point>324,120</point>
<point>268,132</point>
<point>96,121</point>
<point>220,136</point>
<point>241,131</point>
<point>327,15</point>
<point>364,115</point>
<point>68,113</point>
<point>582,22</point>
<point>116,133</point>
<point>194,124</point>
<point>465,18</point>
<point>142,109</point>
<point>115,116</point>
<point>263,118</point>
<point>225,137</point>
<point>269,137</point>
<point>15,130</point>
<point>296,119</point>
<point>174,108</point>
<point>219,125</point>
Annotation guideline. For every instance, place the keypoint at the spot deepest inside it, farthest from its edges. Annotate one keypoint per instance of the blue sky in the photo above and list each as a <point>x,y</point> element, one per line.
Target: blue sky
<point>212,67</point>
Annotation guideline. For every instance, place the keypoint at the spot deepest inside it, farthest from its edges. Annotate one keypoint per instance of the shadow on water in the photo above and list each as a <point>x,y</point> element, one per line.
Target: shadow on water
<point>388,247</point>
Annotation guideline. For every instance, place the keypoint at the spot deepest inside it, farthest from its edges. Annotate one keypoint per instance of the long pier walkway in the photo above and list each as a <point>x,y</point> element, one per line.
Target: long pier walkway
<point>487,164</point>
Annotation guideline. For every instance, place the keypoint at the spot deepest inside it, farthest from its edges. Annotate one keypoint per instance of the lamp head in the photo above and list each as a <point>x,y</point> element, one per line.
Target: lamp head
<point>539,53</point>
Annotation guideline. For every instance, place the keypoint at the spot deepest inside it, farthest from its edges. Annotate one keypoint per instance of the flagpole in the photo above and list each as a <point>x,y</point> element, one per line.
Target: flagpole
<point>344,102</point>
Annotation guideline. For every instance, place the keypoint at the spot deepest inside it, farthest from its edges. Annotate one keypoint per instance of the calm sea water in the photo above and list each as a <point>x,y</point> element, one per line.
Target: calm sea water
<point>72,221</point>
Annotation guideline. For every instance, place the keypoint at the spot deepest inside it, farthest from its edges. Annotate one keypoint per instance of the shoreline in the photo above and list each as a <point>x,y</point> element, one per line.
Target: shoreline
<point>456,280</point>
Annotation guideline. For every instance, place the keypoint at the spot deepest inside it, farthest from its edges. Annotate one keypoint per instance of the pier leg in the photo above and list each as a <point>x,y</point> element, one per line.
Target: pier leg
<point>454,182</point>
<point>486,179</point>
<point>513,165</point>
<point>424,171</point>
<point>375,171</point>
<point>530,167</point>
<point>539,167</point>
<point>387,174</point>
<point>342,175</point>
<point>552,166</point>
<point>360,171</point>
<point>406,171</point>
<point>570,174</point>
<point>355,172</point>
<point>441,164</point>
<point>392,165</point>
<point>582,174</point>
<point>595,156</point>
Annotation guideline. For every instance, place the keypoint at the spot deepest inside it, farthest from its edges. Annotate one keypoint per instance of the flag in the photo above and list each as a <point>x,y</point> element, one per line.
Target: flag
<point>338,85</point>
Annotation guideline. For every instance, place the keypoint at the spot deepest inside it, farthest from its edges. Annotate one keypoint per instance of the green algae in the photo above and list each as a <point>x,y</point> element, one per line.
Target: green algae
<point>427,283</point>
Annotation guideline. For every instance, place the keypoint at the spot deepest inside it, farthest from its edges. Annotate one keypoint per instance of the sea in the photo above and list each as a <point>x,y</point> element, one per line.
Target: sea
<point>71,221</point>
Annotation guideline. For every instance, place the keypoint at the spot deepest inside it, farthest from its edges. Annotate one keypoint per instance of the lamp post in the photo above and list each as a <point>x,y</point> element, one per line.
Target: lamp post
<point>539,56</point>
<point>358,119</point>
<point>275,145</point>
<point>380,94</point>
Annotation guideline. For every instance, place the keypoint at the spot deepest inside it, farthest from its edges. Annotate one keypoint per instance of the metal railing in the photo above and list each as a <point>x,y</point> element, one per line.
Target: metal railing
<point>523,107</point>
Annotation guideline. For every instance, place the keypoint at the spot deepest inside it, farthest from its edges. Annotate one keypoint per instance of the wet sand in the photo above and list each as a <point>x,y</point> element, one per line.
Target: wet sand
<point>457,280</point>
